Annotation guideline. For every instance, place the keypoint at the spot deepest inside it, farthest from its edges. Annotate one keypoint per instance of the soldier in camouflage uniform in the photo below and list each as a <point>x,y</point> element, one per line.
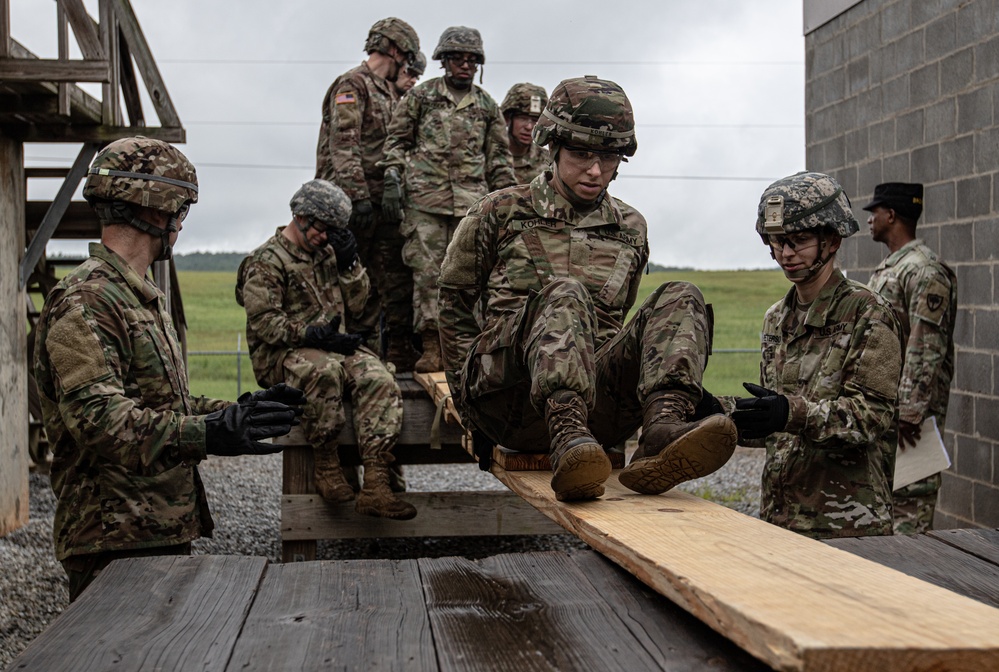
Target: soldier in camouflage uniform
<point>296,288</point>
<point>126,434</point>
<point>923,291</point>
<point>410,75</point>
<point>356,112</point>
<point>534,292</point>
<point>448,142</point>
<point>521,108</point>
<point>831,360</point>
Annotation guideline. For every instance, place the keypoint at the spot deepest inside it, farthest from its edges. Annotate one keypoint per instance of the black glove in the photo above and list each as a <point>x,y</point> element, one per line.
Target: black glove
<point>761,415</point>
<point>362,214</point>
<point>392,198</point>
<point>281,393</point>
<point>236,430</point>
<point>328,337</point>
<point>708,405</point>
<point>344,246</point>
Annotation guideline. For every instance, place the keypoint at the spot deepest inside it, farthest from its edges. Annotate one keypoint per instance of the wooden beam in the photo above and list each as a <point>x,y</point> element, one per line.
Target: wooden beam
<point>4,28</point>
<point>93,133</point>
<point>129,85</point>
<point>441,514</point>
<point>155,85</point>
<point>83,27</point>
<point>108,29</point>
<point>53,70</point>
<point>45,172</point>
<point>41,238</point>
<point>78,221</point>
<point>64,106</point>
<point>793,602</point>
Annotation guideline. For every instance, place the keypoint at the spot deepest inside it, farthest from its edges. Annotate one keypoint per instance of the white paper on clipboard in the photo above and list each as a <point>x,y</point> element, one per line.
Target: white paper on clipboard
<point>927,457</point>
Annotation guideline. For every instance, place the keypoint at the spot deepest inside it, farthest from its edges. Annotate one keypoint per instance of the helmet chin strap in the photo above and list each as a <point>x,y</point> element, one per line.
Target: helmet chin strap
<point>125,213</point>
<point>807,274</point>
<point>304,230</point>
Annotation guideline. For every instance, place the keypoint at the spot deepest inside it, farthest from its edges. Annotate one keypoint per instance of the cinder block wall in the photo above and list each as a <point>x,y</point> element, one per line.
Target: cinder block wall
<point>908,90</point>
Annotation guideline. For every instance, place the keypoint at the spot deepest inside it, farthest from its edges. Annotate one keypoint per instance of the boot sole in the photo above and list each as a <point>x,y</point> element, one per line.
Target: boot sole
<point>699,452</point>
<point>581,473</point>
<point>339,495</point>
<point>382,513</point>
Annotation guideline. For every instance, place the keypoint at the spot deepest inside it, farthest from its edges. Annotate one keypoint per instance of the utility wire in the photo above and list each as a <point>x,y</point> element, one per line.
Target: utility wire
<point>640,125</point>
<point>276,61</point>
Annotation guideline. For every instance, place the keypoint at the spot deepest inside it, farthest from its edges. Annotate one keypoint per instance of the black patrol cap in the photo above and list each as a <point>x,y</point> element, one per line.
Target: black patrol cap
<point>904,198</point>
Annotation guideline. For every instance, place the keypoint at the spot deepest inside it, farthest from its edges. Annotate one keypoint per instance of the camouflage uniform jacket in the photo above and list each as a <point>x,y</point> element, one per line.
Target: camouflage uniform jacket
<point>356,112</point>
<point>514,242</point>
<point>126,434</point>
<point>459,152</point>
<point>284,290</point>
<point>923,291</point>
<point>531,164</point>
<point>829,473</point>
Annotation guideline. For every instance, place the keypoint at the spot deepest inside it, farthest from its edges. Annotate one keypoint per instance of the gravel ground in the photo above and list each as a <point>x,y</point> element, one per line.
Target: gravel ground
<point>243,496</point>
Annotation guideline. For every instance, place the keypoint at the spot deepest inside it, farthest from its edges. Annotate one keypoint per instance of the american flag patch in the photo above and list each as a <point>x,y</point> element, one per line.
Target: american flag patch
<point>342,98</point>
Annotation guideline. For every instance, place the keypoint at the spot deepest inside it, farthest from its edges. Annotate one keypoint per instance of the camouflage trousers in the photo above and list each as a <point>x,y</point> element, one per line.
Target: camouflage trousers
<point>324,377</point>
<point>915,505</point>
<point>427,236</point>
<point>379,247</point>
<point>550,347</point>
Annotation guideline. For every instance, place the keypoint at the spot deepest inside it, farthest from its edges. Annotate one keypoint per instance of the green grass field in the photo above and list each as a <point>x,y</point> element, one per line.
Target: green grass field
<point>215,321</point>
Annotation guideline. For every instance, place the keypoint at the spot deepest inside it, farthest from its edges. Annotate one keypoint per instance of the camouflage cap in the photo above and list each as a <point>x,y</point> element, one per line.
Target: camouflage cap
<point>460,39</point>
<point>142,171</point>
<point>322,200</point>
<point>805,201</point>
<point>525,98</point>
<point>591,113</point>
<point>418,66</point>
<point>396,30</point>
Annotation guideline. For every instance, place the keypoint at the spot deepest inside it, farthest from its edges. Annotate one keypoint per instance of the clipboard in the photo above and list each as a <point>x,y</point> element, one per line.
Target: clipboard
<point>929,456</point>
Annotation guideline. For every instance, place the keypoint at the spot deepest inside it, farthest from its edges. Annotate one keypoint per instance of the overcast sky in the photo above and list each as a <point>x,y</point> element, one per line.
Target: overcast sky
<point>717,87</point>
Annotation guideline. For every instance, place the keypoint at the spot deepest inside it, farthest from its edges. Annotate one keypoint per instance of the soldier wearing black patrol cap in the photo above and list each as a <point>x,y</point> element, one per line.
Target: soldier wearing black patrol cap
<point>923,291</point>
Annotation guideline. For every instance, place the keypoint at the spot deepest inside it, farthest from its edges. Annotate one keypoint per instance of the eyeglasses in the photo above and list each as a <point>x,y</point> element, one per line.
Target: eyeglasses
<point>319,226</point>
<point>181,213</point>
<point>459,60</point>
<point>796,241</point>
<point>587,157</point>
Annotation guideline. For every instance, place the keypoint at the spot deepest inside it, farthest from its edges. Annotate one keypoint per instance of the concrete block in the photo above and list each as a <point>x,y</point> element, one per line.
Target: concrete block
<point>825,56</point>
<point>930,233</point>
<point>909,51</point>
<point>925,166</point>
<point>869,107</point>
<point>895,95</point>
<point>882,137</point>
<point>926,11</point>
<point>956,496</point>
<point>924,85</point>
<point>858,75</point>
<point>870,173</point>
<point>973,371</point>
<point>987,150</point>
<point>835,152</point>
<point>814,156</point>
<point>894,20</point>
<point>956,243</point>
<point>986,504</point>
<point>973,458</point>
<point>909,129</point>
<point>974,110</point>
<point>964,325</point>
<point>940,120</point>
<point>941,35</point>
<point>960,409</point>
<point>987,60</point>
<point>857,145</point>
<point>939,200</point>
<point>975,20</point>
<point>957,156</point>
<point>986,235</point>
<point>896,167</point>
<point>974,196</point>
<point>830,87</point>
<point>861,36</point>
<point>974,282</point>
<point>957,71</point>
<point>986,326</point>
<point>847,178</point>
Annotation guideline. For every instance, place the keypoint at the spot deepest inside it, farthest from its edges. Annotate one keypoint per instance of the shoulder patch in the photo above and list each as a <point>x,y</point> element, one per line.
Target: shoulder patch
<point>75,352</point>
<point>933,302</point>
<point>345,98</point>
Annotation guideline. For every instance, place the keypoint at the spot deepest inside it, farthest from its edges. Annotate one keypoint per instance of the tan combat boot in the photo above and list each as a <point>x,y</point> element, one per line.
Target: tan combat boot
<point>400,351</point>
<point>579,463</point>
<point>431,360</point>
<point>672,451</point>
<point>331,484</point>
<point>376,497</point>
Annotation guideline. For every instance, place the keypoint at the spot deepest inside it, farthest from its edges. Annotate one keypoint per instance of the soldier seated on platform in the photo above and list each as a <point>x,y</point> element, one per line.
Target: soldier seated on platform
<point>827,399</point>
<point>551,269</point>
<point>295,288</point>
<point>126,433</point>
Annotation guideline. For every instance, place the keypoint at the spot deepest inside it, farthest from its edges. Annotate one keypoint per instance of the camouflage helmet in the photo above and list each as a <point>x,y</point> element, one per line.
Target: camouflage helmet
<point>142,171</point>
<point>418,66</point>
<point>525,98</point>
<point>460,39</point>
<point>802,202</point>
<point>396,30</point>
<point>322,200</point>
<point>591,113</point>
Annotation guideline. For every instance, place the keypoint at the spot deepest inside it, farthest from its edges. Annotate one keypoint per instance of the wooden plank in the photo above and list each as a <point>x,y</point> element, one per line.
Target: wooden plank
<point>129,84</point>
<point>54,70</point>
<point>297,478</point>
<point>930,560</point>
<point>676,640</point>
<point>156,613</point>
<point>343,615</point>
<point>83,27</point>
<point>441,514</point>
<point>982,544</point>
<point>52,132</point>
<point>139,48</point>
<point>793,602</point>
<point>537,611</point>
<point>436,386</point>
<point>4,28</point>
<point>512,460</point>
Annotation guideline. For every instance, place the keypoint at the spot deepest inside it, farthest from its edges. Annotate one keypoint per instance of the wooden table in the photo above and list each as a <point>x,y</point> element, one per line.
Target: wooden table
<point>518,612</point>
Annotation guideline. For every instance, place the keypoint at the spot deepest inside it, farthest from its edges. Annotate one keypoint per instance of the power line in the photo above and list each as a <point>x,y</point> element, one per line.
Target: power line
<point>640,125</point>
<point>275,61</point>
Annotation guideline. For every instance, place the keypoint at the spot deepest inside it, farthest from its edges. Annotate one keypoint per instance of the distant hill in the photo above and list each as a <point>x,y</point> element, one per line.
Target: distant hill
<point>659,268</point>
<point>209,261</point>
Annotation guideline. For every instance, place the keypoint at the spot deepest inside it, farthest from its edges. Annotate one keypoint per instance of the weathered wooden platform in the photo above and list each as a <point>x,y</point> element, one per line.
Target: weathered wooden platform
<point>523,612</point>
